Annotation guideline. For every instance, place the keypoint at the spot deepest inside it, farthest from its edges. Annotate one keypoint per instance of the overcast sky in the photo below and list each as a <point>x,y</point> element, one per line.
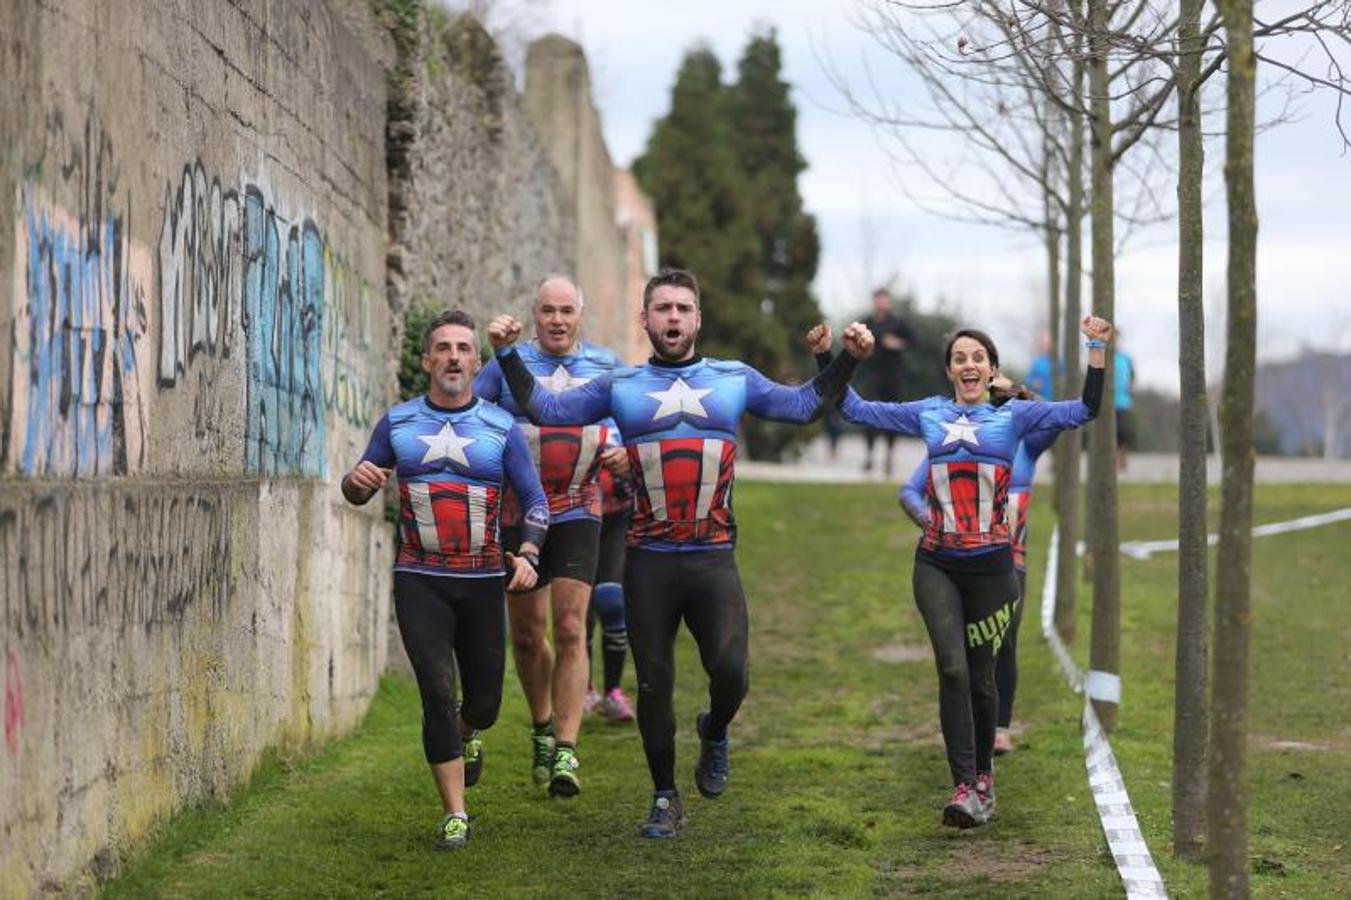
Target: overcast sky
<point>991,277</point>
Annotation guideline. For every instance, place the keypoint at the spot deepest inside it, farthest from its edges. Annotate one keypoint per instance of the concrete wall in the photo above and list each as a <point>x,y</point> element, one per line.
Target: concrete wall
<point>194,343</point>
<point>213,216</point>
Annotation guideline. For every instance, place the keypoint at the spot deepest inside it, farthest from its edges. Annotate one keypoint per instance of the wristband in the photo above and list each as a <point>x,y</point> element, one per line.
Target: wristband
<point>1095,344</point>
<point>532,558</point>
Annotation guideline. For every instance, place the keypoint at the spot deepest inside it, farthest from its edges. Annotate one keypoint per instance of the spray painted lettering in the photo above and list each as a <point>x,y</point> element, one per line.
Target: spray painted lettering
<point>199,262</point>
<point>78,323</point>
<point>284,320</point>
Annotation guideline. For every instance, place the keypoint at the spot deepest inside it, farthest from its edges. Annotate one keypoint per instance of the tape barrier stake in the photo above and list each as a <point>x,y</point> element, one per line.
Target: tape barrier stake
<point>1134,864</point>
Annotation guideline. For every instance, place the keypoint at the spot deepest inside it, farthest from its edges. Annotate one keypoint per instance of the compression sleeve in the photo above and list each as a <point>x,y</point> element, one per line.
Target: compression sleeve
<point>912,494</point>
<point>1092,397</point>
<point>380,450</point>
<point>581,405</point>
<point>521,472</point>
<point>488,383</point>
<point>800,403</point>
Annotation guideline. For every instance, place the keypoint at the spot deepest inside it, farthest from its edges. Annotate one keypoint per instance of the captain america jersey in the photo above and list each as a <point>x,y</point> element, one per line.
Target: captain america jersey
<point>451,467</point>
<point>679,425</point>
<point>566,457</point>
<point>971,450</point>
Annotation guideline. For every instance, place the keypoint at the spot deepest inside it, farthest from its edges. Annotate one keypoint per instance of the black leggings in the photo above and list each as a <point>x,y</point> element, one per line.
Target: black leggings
<point>1006,663</point>
<point>703,589</point>
<point>967,615</point>
<point>445,622</point>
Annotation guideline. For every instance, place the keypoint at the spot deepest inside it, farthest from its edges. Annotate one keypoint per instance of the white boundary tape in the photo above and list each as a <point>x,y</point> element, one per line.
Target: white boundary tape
<point>1134,863</point>
<point>1146,549</point>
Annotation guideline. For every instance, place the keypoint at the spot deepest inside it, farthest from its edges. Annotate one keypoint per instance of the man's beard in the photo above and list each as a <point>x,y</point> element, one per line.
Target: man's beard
<point>654,336</point>
<point>452,383</point>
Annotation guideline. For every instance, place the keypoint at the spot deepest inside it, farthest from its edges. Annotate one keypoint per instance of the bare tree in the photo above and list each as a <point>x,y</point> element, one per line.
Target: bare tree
<point>1226,807</point>
<point>1189,702</point>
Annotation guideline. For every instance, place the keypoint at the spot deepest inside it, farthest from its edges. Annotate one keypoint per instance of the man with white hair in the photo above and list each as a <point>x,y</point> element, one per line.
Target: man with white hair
<point>568,458</point>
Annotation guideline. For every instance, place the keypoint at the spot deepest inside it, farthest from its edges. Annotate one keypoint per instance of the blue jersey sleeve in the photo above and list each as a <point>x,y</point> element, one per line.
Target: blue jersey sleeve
<point>1052,416</point>
<point>524,478</point>
<point>1038,441</point>
<point>380,450</point>
<point>582,405</point>
<point>902,418</point>
<point>488,382</point>
<point>780,402</point>
<point>912,494</point>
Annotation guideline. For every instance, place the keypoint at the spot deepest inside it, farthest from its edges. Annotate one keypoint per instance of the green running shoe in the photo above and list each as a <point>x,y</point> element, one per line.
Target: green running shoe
<point>473,760</point>
<point>453,833</point>
<point>563,782</point>
<point>543,766</point>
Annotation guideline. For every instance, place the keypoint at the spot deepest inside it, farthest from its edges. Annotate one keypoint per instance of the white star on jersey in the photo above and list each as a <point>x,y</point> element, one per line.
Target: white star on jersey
<point>679,398</point>
<point>961,430</point>
<point>446,444</point>
<point>560,380</point>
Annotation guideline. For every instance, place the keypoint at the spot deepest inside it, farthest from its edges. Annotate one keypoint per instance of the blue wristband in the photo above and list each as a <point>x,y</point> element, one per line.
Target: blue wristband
<point>1095,344</point>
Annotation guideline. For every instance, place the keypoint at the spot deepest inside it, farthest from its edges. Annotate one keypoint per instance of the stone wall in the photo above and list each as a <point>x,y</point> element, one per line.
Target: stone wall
<point>559,100</point>
<point>194,342</point>
<point>479,215</point>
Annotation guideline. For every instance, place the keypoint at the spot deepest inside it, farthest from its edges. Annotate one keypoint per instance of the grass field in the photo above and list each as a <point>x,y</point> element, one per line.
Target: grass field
<point>838,768</point>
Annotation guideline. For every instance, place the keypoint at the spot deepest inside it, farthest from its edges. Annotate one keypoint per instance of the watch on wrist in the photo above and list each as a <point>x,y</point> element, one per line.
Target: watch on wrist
<point>531,557</point>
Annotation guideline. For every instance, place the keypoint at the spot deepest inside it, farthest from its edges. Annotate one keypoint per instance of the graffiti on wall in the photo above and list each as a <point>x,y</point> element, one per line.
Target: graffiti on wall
<point>72,563</point>
<point>353,374</point>
<point>284,320</point>
<point>200,258</point>
<point>79,330</point>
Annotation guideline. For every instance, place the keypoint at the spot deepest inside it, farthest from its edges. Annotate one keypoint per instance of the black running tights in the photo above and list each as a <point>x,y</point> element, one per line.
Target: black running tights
<point>448,622</point>
<point>967,615</point>
<point>704,590</point>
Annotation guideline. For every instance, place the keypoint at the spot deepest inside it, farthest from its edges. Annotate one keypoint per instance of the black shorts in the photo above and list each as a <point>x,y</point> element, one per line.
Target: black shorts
<point>613,546</point>
<point>569,551</point>
<point>1125,429</point>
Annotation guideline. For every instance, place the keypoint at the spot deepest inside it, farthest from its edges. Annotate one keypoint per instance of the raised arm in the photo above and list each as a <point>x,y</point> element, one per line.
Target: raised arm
<point>1043,416</point>
<point>581,405</point>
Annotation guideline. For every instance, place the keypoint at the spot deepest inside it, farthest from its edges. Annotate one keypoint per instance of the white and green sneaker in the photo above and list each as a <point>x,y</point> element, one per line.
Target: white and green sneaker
<point>542,767</point>
<point>563,779</point>
<point>453,833</point>
<point>473,760</point>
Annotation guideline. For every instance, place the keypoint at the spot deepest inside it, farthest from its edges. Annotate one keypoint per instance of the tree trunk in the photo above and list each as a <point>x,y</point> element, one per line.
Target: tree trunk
<point>1189,702</point>
<point>1226,807</point>
<point>1102,494</point>
<point>1067,450</point>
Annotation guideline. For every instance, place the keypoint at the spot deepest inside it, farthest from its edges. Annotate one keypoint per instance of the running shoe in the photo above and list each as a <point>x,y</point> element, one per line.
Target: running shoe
<point>616,707</point>
<point>667,815</point>
<point>453,833</point>
<point>473,760</point>
<point>713,768</point>
<point>592,705</point>
<point>563,780</point>
<point>985,793</point>
<point>964,809</point>
<point>543,765</point>
<point>1003,742</point>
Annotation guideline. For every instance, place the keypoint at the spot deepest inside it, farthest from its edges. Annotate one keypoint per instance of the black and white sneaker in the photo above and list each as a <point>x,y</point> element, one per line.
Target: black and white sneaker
<point>667,815</point>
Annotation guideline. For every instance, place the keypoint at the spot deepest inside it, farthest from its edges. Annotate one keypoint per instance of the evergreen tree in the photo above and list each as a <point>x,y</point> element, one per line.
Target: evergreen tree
<point>690,172</point>
<point>763,127</point>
